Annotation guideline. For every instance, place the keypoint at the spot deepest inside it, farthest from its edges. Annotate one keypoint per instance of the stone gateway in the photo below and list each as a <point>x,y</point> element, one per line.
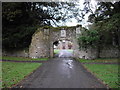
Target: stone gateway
<point>42,43</point>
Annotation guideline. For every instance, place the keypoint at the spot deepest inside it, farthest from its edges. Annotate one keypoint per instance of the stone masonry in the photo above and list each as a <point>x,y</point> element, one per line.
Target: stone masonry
<point>42,41</point>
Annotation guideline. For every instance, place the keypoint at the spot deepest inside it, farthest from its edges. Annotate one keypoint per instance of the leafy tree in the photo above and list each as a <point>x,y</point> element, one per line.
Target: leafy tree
<point>106,22</point>
<point>21,19</point>
<point>88,38</point>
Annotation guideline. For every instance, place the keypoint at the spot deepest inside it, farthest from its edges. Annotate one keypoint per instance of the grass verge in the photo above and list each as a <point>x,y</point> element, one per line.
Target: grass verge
<point>108,73</point>
<point>13,72</point>
<point>23,58</point>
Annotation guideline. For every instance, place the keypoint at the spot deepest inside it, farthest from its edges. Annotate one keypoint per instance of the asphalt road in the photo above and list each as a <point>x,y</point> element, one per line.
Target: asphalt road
<point>61,73</point>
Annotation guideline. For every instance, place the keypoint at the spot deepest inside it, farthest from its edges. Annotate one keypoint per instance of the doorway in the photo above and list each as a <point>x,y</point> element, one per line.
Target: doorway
<point>63,48</point>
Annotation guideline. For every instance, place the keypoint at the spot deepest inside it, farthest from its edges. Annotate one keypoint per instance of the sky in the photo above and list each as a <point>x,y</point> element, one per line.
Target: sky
<point>84,23</point>
<point>73,21</point>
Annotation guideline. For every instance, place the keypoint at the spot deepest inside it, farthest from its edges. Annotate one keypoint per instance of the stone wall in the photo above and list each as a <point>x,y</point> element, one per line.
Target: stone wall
<point>40,45</point>
<point>89,53</point>
<point>92,53</point>
<point>109,52</point>
<point>16,53</point>
<point>42,41</point>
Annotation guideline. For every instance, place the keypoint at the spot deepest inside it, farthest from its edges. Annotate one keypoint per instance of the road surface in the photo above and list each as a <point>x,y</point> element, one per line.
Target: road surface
<point>61,73</point>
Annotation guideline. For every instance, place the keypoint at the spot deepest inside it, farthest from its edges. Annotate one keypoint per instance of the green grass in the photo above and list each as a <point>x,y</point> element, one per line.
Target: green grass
<point>99,60</point>
<point>0,74</point>
<point>108,73</point>
<point>23,58</point>
<point>56,51</point>
<point>13,72</point>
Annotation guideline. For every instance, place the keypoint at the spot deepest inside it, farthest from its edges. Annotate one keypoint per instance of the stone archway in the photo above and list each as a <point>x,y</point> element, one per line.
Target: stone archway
<point>43,39</point>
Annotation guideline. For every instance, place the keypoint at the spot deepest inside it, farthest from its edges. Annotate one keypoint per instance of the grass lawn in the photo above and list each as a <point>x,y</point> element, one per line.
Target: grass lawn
<point>23,58</point>
<point>56,51</point>
<point>13,72</point>
<point>101,60</point>
<point>0,74</point>
<point>108,73</point>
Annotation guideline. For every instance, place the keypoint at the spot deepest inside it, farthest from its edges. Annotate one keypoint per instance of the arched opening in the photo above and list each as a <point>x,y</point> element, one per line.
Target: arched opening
<point>63,48</point>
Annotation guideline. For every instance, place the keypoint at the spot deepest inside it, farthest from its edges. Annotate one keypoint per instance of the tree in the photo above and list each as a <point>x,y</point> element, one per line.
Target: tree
<point>106,22</point>
<point>20,20</point>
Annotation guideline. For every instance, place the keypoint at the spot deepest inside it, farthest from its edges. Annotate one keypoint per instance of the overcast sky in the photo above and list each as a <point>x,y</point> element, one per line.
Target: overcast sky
<point>84,22</point>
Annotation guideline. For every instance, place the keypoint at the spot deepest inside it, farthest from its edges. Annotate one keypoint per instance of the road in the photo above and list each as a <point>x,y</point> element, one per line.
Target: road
<point>61,73</point>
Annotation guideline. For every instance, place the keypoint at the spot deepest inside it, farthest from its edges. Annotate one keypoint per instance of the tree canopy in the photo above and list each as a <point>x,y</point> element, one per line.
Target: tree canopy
<point>105,28</point>
<point>106,23</point>
<point>21,19</point>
